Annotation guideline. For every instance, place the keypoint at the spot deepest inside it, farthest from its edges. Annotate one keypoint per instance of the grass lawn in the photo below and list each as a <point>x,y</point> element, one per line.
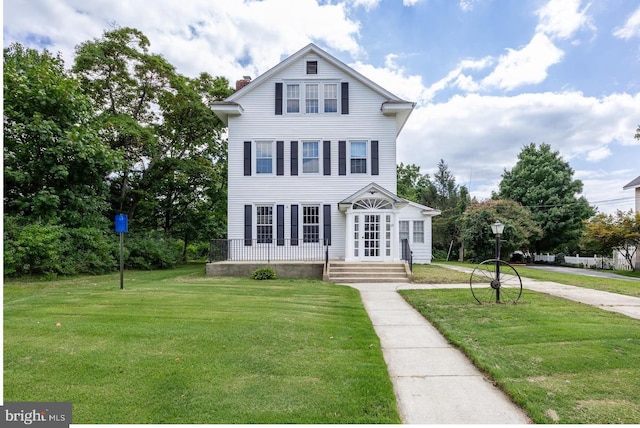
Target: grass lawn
<point>620,286</point>
<point>561,361</point>
<point>178,347</point>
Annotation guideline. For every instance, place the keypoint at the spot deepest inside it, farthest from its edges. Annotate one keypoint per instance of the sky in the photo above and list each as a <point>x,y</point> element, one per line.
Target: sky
<point>488,76</point>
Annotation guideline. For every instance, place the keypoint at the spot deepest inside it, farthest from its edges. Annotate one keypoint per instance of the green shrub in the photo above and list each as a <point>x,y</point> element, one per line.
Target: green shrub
<point>151,250</point>
<point>264,273</point>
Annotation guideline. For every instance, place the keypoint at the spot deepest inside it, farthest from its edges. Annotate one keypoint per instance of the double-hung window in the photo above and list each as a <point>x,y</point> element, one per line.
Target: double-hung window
<point>358,157</point>
<point>264,224</point>
<point>293,98</point>
<point>330,97</point>
<point>311,97</point>
<point>310,156</point>
<point>264,157</point>
<point>418,231</point>
<point>311,224</point>
<point>404,229</point>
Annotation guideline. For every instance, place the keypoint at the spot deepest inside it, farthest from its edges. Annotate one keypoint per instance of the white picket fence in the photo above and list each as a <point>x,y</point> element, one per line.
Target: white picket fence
<point>596,261</point>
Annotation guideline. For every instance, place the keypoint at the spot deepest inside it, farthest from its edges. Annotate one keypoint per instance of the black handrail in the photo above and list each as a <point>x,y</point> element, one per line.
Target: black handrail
<point>407,254</point>
<point>273,250</point>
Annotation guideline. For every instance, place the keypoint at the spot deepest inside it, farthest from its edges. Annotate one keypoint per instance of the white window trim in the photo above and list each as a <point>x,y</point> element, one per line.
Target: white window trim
<point>273,222</point>
<point>413,231</point>
<point>302,85</point>
<point>367,156</point>
<point>254,154</point>
<point>301,156</point>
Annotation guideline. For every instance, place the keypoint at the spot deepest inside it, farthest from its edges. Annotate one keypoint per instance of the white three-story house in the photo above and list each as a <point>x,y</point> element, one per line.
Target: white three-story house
<point>312,164</point>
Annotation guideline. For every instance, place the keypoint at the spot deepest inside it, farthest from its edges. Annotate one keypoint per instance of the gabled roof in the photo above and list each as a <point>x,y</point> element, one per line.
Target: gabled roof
<point>375,190</point>
<point>633,184</point>
<point>393,105</point>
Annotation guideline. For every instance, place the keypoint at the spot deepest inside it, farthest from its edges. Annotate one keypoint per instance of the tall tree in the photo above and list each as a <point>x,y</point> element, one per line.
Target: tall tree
<point>520,229</point>
<point>171,141</point>
<point>55,164</point>
<point>412,184</point>
<point>542,182</point>
<point>452,200</point>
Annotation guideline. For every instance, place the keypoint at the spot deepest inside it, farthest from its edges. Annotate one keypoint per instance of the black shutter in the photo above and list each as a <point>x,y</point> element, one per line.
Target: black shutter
<point>375,162</point>
<point>345,97</point>
<point>294,225</point>
<point>326,215</point>
<point>294,158</point>
<point>247,224</point>
<point>326,157</point>
<point>279,157</point>
<point>279,98</point>
<point>342,158</point>
<point>247,158</point>
<point>280,224</point>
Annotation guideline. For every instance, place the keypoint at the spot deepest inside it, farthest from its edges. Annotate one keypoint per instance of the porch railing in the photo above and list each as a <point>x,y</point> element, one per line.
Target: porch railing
<point>243,250</point>
<point>407,254</point>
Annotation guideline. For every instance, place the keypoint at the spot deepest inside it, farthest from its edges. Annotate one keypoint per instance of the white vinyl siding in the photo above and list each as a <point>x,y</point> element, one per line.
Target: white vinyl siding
<point>365,122</point>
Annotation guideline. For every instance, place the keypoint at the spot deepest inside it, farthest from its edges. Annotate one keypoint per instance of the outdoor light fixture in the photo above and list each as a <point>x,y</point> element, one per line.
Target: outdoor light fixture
<point>497,228</point>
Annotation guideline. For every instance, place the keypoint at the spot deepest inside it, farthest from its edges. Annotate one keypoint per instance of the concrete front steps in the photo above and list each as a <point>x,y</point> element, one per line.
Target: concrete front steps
<point>366,272</point>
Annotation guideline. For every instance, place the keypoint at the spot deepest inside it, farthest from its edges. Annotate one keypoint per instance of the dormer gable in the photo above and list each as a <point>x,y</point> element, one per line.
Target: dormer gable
<point>315,79</point>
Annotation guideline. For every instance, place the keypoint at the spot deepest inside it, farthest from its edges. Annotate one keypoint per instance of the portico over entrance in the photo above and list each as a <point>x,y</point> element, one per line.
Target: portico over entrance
<point>372,233</point>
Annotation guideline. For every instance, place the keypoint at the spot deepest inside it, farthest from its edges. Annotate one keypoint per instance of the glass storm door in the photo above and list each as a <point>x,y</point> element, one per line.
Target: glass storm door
<point>371,236</point>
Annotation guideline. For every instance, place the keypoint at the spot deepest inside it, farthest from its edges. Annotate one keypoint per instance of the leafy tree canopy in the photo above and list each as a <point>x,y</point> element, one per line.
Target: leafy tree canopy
<point>55,164</point>
<point>520,230</point>
<point>542,182</point>
<point>605,233</point>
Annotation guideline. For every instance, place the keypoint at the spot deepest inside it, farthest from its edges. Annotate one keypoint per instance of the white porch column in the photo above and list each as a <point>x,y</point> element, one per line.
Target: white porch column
<point>348,247</point>
<point>395,235</point>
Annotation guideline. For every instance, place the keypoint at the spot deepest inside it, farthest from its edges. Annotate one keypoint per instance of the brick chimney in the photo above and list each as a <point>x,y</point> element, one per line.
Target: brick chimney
<point>243,82</point>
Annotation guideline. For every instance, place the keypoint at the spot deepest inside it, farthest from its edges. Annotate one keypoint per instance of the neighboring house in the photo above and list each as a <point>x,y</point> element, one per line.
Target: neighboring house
<point>635,184</point>
<point>312,161</point>
<point>619,260</point>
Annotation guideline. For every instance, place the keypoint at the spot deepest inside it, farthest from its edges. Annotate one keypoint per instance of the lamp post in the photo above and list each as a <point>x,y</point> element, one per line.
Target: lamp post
<point>497,228</point>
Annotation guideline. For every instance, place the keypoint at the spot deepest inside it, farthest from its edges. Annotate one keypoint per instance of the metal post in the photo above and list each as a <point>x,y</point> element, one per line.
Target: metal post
<point>497,268</point>
<point>121,260</point>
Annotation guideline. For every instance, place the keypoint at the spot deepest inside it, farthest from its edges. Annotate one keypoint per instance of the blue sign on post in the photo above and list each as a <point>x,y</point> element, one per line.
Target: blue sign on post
<point>122,225</point>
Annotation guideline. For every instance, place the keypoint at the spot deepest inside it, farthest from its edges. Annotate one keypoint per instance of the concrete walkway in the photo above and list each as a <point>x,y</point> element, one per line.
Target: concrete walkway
<point>435,383</point>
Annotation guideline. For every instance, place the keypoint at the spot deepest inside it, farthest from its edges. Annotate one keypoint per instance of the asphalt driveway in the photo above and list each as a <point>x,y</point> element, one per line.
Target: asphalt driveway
<point>580,271</point>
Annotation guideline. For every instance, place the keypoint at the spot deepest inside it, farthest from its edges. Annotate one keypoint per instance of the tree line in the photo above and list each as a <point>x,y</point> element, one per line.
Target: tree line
<point>119,132</point>
<point>538,201</point>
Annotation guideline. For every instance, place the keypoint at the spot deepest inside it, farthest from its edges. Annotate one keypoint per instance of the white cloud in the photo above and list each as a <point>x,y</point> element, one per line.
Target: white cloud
<point>467,5</point>
<point>223,37</point>
<point>479,136</point>
<point>410,2</point>
<point>393,78</point>
<point>561,19</point>
<point>631,28</point>
<point>367,4</point>
<point>525,66</point>
<point>598,154</point>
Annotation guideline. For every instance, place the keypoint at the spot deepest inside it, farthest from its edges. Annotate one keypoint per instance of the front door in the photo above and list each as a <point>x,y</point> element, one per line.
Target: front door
<point>371,236</point>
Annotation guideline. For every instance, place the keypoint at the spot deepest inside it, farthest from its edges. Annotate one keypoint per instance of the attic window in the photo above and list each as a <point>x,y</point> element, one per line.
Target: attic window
<point>312,67</point>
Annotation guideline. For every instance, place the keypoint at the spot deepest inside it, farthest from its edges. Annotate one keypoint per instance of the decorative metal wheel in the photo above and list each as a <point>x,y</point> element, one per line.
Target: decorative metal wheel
<point>495,281</point>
